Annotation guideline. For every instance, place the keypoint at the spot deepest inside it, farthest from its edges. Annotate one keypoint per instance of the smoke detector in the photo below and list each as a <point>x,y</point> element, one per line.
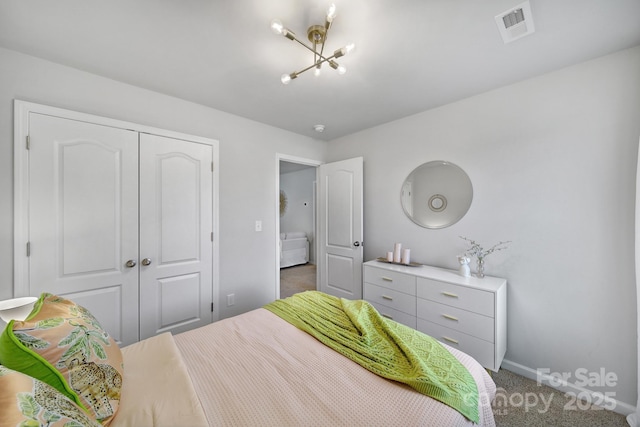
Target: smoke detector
<point>516,22</point>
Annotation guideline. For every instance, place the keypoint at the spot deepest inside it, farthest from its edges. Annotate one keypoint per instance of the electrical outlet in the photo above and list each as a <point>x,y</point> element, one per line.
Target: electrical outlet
<point>258,225</point>
<point>231,300</point>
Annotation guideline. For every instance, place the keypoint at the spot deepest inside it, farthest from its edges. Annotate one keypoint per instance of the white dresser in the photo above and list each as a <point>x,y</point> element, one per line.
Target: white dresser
<point>467,313</point>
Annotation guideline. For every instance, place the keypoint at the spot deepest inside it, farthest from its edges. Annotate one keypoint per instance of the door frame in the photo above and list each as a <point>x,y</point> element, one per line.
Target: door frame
<point>22,109</point>
<point>302,161</point>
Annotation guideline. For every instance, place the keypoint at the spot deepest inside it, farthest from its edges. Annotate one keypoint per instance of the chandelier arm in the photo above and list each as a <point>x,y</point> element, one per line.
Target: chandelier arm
<point>324,40</point>
<point>311,49</point>
<point>297,73</point>
<point>321,50</point>
<point>315,53</point>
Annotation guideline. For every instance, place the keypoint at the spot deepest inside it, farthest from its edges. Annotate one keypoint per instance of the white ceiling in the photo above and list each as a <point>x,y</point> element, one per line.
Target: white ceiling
<point>411,55</point>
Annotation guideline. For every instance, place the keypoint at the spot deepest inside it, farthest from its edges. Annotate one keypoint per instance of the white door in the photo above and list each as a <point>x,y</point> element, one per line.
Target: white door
<point>83,218</point>
<point>340,228</point>
<point>176,225</point>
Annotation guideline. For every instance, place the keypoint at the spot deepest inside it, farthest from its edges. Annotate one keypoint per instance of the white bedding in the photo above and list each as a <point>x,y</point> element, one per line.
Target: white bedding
<point>294,249</point>
<point>157,390</point>
<point>257,369</point>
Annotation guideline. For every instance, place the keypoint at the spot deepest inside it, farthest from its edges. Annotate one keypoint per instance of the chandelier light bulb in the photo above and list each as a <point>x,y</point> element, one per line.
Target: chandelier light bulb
<point>316,72</point>
<point>341,69</point>
<point>344,50</point>
<point>285,79</point>
<point>331,12</point>
<point>277,27</point>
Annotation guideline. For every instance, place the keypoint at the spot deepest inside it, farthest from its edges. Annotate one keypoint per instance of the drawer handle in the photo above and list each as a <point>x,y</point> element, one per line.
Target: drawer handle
<point>386,316</point>
<point>387,279</point>
<point>387,297</point>
<point>451,340</point>
<point>446,316</point>
<point>449,294</point>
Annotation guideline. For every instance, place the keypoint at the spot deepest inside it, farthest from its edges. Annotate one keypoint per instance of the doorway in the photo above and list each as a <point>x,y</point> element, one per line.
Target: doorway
<point>296,225</point>
<point>337,231</point>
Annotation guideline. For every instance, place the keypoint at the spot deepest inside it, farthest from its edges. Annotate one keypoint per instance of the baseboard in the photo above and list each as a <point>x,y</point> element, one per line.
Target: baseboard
<point>569,387</point>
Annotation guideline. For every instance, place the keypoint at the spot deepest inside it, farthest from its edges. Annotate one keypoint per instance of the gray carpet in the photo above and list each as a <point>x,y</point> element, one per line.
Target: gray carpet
<point>522,402</point>
<point>296,279</point>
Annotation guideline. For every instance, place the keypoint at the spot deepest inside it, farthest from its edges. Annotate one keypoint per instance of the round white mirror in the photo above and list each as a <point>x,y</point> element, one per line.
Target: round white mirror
<point>436,194</point>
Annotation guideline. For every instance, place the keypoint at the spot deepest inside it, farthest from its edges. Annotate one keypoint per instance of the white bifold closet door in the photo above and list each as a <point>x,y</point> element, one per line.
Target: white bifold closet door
<point>175,235</point>
<point>120,222</point>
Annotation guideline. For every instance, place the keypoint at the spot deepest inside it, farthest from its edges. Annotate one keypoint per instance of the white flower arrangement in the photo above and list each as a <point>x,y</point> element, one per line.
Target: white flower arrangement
<point>477,251</point>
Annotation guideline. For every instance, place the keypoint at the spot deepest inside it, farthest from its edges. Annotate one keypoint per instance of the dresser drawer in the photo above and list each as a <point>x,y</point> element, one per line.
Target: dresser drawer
<point>390,298</point>
<point>398,316</point>
<point>390,279</point>
<point>482,351</point>
<point>471,299</point>
<point>470,323</point>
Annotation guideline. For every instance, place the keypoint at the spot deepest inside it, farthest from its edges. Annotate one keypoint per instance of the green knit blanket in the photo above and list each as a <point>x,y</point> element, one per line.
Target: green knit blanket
<point>387,348</point>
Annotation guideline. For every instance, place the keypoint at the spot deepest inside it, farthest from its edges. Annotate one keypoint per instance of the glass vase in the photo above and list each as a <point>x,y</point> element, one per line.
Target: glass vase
<point>480,268</point>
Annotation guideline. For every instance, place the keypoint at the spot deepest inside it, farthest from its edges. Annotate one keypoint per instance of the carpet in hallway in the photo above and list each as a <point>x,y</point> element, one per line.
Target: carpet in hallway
<point>296,279</point>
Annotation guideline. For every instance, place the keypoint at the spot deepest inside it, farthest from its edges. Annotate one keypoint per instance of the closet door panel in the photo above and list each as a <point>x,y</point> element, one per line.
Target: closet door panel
<point>176,222</point>
<point>83,215</point>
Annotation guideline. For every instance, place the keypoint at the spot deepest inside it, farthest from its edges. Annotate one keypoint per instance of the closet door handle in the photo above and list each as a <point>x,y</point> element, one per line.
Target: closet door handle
<point>146,261</point>
<point>131,263</point>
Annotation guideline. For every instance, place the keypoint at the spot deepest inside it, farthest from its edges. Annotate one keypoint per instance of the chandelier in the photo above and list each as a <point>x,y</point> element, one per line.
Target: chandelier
<point>317,35</point>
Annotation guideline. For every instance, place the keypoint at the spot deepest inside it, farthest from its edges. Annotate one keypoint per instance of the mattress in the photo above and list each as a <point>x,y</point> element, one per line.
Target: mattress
<point>257,369</point>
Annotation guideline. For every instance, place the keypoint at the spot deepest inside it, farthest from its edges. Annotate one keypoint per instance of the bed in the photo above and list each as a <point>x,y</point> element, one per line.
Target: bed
<point>259,369</point>
<point>294,249</point>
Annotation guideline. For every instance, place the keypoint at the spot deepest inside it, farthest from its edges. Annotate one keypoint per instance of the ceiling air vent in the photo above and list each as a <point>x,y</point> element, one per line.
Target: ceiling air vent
<point>515,23</point>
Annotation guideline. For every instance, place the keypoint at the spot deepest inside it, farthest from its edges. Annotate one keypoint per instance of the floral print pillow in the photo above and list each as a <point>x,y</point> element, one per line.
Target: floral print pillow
<point>26,402</point>
<point>63,345</point>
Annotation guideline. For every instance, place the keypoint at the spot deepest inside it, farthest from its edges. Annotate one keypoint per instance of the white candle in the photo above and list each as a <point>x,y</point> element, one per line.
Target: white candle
<point>397,248</point>
<point>406,256</point>
<point>390,256</point>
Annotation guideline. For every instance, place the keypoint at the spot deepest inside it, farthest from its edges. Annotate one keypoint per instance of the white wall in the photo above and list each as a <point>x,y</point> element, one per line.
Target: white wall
<point>298,187</point>
<point>247,170</point>
<point>553,162</point>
